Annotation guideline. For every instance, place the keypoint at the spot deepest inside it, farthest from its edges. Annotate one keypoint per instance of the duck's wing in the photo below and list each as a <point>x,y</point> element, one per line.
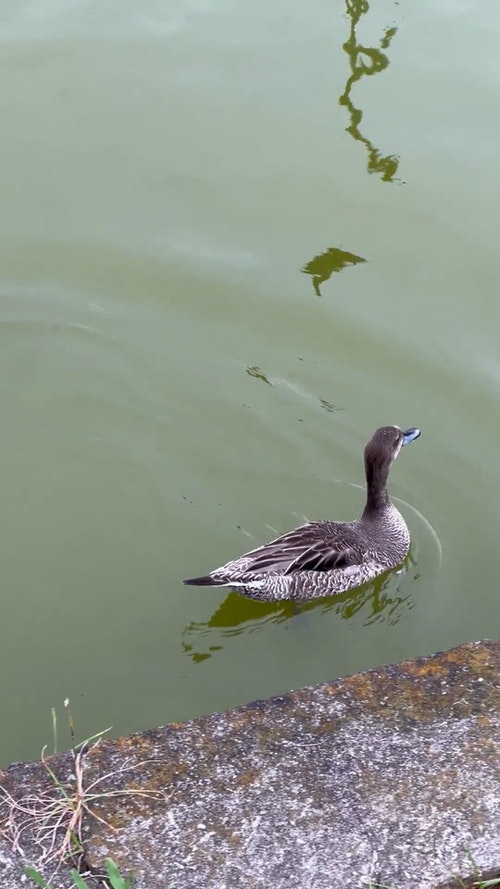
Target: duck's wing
<point>318,546</point>
<point>324,557</point>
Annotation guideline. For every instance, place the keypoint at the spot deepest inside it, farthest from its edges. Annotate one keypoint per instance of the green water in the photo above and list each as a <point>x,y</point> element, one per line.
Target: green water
<point>235,238</point>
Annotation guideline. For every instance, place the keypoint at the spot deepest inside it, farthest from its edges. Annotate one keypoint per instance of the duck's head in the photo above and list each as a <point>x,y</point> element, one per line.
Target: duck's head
<point>382,449</point>
<point>386,443</point>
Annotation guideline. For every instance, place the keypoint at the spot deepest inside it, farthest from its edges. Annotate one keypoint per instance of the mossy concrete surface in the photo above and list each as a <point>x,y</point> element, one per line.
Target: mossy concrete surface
<point>391,776</point>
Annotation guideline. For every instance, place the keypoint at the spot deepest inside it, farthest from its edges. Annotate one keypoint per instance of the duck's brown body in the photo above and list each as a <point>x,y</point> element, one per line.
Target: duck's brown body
<point>323,558</point>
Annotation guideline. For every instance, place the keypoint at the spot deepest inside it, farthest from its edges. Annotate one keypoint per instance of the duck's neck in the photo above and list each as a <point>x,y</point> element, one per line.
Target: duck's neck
<point>377,497</point>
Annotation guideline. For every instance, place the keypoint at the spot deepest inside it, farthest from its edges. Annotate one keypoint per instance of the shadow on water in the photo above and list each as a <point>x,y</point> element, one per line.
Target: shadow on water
<point>365,61</point>
<point>380,600</point>
<point>324,265</point>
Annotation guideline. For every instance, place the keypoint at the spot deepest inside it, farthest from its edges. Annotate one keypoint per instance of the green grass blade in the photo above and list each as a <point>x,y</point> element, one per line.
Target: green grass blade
<point>78,880</point>
<point>96,737</point>
<point>115,877</point>
<point>54,727</point>
<point>37,878</point>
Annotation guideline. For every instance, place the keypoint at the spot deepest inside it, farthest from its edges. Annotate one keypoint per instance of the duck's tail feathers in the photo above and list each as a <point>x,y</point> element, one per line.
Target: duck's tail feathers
<point>204,580</point>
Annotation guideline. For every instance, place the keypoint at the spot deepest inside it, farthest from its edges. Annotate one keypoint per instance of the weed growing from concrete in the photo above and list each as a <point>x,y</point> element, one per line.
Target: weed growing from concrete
<point>53,819</point>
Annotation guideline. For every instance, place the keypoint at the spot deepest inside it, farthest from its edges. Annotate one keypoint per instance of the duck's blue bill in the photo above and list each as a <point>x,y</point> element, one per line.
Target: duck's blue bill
<point>410,435</point>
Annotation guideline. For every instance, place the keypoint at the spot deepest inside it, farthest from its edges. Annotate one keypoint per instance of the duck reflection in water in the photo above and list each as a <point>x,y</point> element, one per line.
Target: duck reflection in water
<point>381,601</point>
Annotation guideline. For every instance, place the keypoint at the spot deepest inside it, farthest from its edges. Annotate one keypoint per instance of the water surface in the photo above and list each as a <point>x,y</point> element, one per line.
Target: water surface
<point>234,240</point>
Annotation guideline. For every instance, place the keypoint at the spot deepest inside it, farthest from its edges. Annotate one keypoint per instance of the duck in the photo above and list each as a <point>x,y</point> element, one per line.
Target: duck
<point>325,558</point>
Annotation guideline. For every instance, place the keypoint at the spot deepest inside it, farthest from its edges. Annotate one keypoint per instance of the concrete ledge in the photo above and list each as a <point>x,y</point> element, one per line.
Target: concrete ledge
<point>391,776</point>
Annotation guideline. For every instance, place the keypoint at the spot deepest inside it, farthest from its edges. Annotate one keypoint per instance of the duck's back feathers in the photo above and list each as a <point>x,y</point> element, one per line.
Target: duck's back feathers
<point>316,546</point>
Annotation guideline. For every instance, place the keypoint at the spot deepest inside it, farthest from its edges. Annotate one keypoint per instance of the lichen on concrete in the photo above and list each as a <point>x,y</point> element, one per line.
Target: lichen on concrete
<point>391,776</point>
